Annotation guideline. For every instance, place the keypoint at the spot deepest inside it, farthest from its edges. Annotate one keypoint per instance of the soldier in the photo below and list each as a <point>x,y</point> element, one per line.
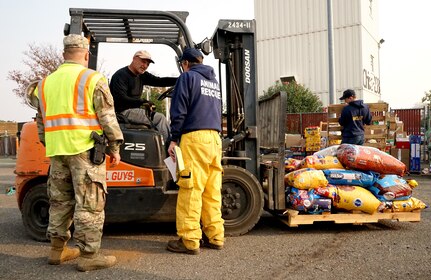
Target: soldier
<point>72,102</point>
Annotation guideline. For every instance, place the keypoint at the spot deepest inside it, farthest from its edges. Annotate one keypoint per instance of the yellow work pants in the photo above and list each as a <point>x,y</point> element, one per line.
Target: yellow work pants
<point>199,195</point>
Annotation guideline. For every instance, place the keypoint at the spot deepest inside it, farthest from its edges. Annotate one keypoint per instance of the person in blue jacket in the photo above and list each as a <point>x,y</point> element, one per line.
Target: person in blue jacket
<point>352,119</point>
<point>195,126</point>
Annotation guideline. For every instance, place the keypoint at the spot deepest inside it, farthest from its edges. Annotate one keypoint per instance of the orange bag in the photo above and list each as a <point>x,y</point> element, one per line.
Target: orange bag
<point>369,159</point>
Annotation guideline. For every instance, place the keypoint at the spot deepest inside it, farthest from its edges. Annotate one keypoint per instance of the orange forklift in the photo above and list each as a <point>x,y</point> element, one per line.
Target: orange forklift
<point>141,188</point>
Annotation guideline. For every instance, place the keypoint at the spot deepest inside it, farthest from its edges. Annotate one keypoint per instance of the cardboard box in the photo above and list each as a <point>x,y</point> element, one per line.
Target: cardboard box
<point>393,126</point>
<point>402,155</point>
<point>292,140</point>
<point>400,126</point>
<point>402,142</point>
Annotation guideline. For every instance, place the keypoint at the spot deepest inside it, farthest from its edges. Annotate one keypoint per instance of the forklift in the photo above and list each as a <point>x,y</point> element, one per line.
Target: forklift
<point>141,188</point>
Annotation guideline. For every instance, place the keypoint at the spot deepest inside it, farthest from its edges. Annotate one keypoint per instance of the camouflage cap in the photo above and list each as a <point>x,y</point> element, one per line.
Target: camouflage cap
<point>75,41</point>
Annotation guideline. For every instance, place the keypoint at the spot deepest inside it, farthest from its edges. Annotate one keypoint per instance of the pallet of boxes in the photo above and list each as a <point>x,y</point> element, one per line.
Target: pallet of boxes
<point>294,146</point>
<point>376,134</point>
<point>405,148</point>
<point>312,139</point>
<point>349,184</point>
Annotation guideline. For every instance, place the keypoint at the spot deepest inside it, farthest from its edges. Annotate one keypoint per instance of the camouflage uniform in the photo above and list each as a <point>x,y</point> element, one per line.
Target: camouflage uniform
<point>77,187</point>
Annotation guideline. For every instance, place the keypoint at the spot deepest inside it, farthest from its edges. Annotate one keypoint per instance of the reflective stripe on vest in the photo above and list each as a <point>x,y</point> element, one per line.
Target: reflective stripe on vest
<point>42,105</point>
<point>80,119</point>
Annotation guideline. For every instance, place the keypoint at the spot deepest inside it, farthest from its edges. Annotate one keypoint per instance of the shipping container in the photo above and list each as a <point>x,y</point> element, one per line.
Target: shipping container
<point>411,119</point>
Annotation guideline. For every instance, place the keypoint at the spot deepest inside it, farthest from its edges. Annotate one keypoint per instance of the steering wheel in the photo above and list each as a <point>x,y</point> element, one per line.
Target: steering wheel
<point>165,94</point>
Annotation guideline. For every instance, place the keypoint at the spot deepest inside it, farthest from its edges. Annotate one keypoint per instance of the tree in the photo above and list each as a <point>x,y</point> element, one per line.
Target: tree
<point>427,97</point>
<point>299,98</point>
<point>41,60</point>
<point>151,94</point>
<point>427,100</point>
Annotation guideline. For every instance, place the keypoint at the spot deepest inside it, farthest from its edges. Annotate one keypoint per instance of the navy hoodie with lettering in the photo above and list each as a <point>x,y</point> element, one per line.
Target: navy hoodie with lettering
<point>353,117</point>
<point>196,102</point>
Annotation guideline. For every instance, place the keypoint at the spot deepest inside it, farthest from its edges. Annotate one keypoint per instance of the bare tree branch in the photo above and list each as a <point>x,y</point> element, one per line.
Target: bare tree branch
<point>41,60</point>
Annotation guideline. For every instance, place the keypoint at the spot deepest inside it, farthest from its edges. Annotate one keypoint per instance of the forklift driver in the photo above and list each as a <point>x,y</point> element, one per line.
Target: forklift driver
<point>126,88</point>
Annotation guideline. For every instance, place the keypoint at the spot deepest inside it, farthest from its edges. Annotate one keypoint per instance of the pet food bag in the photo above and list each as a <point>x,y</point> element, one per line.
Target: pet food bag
<point>353,198</point>
<point>329,151</point>
<point>320,163</point>
<point>305,178</point>
<point>408,205</point>
<point>350,177</point>
<point>291,164</point>
<point>391,187</point>
<point>307,201</point>
<point>369,159</point>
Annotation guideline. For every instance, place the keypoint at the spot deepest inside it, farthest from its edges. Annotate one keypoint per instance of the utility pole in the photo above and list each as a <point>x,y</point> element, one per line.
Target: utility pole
<point>331,63</point>
<point>379,44</point>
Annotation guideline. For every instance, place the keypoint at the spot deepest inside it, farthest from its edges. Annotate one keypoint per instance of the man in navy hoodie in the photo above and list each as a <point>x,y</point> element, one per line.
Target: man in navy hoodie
<point>352,119</point>
<point>195,127</point>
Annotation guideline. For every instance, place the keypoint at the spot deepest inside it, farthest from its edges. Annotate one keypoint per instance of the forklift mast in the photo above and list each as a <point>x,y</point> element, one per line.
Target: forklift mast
<point>235,48</point>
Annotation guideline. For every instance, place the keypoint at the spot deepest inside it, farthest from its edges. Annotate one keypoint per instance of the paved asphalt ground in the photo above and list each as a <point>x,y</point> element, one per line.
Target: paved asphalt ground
<point>387,250</point>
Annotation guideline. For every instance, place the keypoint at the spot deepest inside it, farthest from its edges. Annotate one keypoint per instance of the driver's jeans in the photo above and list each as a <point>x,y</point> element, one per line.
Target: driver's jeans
<point>161,123</point>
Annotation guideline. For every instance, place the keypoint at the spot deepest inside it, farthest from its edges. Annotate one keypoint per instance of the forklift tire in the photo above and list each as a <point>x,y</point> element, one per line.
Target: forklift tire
<point>35,212</point>
<point>242,200</point>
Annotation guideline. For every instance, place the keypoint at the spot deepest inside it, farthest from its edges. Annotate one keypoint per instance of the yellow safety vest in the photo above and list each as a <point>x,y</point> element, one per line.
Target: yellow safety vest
<point>66,104</point>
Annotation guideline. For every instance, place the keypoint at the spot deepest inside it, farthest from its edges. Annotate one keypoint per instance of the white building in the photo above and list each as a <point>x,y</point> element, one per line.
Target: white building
<point>292,40</point>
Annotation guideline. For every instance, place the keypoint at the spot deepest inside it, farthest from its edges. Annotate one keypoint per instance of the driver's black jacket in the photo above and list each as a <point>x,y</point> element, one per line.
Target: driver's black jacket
<point>126,87</point>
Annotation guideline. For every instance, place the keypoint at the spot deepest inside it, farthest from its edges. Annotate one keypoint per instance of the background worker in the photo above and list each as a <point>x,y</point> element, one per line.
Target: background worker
<point>195,126</point>
<point>72,102</point>
<point>127,85</point>
<point>352,119</point>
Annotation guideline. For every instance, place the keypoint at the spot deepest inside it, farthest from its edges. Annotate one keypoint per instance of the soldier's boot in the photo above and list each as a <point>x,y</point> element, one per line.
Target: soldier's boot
<point>60,253</point>
<point>87,262</point>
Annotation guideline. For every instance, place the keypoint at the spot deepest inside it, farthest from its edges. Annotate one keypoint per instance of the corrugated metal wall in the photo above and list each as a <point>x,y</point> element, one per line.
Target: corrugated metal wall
<point>296,123</point>
<point>411,119</point>
<point>292,40</point>
<point>8,145</point>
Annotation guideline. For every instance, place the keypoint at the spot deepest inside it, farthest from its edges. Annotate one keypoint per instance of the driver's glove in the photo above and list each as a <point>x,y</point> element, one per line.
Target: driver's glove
<point>149,106</point>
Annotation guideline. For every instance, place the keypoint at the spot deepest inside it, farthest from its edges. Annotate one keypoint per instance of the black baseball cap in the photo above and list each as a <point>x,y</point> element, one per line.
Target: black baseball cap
<point>191,54</point>
<point>348,93</point>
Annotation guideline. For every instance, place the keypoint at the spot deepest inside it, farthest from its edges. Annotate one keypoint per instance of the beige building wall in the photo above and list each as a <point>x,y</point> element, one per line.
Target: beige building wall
<point>292,40</point>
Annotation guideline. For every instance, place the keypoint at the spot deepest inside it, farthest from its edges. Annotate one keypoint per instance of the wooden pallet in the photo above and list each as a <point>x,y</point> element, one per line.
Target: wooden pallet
<point>379,112</point>
<point>292,218</point>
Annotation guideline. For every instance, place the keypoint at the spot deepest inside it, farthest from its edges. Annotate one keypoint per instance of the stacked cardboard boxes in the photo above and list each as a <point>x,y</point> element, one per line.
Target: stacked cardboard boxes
<point>375,134</point>
<point>295,146</point>
<point>312,138</point>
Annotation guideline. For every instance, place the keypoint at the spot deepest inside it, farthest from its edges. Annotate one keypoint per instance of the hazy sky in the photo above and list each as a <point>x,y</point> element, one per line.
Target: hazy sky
<point>404,25</point>
<point>406,53</point>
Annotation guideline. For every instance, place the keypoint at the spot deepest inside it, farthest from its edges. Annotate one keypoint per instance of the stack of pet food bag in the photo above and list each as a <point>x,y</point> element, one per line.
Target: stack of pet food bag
<point>349,178</point>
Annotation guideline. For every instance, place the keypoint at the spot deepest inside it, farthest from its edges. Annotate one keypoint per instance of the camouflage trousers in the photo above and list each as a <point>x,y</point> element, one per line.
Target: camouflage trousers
<point>77,193</point>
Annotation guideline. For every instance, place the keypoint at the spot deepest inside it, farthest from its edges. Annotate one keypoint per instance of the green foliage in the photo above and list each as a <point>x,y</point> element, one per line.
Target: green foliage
<point>427,97</point>
<point>153,93</point>
<point>299,98</point>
